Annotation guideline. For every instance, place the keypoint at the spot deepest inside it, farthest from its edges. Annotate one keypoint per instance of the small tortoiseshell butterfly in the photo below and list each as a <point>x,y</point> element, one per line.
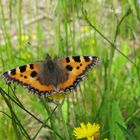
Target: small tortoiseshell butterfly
<point>52,76</point>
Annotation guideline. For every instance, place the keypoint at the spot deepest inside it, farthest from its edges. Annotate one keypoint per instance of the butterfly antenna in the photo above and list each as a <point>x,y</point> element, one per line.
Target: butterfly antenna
<point>48,57</point>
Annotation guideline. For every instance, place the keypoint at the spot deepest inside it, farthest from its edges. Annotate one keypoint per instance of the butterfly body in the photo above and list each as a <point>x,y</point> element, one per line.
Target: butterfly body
<point>52,76</point>
<point>52,72</point>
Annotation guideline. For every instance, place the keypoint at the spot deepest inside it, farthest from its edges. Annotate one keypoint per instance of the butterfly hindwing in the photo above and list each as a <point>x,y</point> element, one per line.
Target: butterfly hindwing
<point>77,67</point>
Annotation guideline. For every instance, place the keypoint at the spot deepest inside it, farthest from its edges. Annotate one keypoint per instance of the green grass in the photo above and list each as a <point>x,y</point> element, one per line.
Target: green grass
<point>110,96</point>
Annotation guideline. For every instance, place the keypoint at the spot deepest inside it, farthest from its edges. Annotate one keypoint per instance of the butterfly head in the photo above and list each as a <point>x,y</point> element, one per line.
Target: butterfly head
<point>50,65</point>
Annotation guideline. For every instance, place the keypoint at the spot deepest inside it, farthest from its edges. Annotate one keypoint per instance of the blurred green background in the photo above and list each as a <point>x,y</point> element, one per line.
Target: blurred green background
<point>110,96</point>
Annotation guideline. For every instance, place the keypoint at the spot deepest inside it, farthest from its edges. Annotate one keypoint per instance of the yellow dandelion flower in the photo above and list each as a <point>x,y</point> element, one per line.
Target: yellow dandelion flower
<point>85,29</point>
<point>24,37</point>
<point>58,96</point>
<point>88,131</point>
<point>90,138</point>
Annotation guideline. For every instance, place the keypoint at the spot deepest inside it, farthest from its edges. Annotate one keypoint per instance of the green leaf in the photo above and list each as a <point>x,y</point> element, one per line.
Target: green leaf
<point>127,133</point>
<point>116,116</point>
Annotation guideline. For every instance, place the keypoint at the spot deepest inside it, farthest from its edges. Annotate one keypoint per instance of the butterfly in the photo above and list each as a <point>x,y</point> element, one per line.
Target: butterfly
<point>51,76</point>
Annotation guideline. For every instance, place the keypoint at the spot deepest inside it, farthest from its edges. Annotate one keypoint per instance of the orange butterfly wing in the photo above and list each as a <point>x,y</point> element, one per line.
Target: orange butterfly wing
<point>27,76</point>
<point>77,67</point>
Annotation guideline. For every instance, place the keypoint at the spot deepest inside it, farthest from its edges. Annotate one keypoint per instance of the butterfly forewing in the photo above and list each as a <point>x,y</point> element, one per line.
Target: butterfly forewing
<point>27,76</point>
<point>77,67</point>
